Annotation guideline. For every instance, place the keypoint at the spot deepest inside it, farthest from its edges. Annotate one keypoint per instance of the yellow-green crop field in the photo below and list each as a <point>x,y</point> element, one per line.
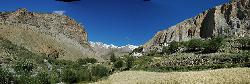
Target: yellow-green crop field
<point>219,76</point>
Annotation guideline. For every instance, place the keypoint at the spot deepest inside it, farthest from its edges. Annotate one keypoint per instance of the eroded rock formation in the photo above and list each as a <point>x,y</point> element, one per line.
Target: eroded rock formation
<point>231,19</point>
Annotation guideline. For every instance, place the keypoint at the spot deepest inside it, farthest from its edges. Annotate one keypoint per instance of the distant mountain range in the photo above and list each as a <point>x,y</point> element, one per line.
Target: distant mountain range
<point>111,46</point>
<point>104,50</point>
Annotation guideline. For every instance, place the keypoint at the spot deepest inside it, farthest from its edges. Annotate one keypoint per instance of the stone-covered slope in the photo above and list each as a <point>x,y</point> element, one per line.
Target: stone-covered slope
<point>231,19</point>
<point>51,34</point>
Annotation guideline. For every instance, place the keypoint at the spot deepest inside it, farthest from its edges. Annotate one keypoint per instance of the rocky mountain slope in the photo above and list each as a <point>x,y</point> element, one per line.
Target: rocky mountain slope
<point>105,50</point>
<point>54,35</point>
<point>231,19</point>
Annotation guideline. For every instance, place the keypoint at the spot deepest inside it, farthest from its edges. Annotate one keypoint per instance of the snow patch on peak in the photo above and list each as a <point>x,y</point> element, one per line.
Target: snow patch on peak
<point>112,46</point>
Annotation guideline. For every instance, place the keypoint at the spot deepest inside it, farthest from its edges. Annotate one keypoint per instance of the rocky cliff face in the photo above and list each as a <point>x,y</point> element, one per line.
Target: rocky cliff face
<point>231,19</point>
<point>51,34</point>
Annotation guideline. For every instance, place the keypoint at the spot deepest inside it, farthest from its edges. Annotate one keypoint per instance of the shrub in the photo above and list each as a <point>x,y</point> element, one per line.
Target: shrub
<point>142,62</point>
<point>69,76</point>
<point>152,53</point>
<point>84,74</point>
<point>213,45</point>
<point>247,64</point>
<point>86,60</point>
<point>54,77</point>
<point>6,44</point>
<point>30,79</point>
<point>195,45</point>
<point>172,48</point>
<point>129,62</point>
<point>113,58</point>
<point>43,78</point>
<point>139,49</point>
<point>240,58</point>
<point>119,64</point>
<point>99,71</point>
<point>6,77</point>
<point>244,43</point>
<point>165,50</point>
<point>24,66</point>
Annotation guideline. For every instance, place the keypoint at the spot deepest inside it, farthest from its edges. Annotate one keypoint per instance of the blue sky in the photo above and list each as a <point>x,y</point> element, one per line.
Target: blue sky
<point>120,22</point>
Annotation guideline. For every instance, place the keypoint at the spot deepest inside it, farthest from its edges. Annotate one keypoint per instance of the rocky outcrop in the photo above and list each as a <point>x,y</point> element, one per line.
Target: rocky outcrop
<point>231,19</point>
<point>52,34</point>
<point>50,24</point>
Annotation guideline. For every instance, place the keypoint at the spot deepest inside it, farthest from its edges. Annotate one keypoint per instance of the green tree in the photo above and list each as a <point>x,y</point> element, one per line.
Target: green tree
<point>86,60</point>
<point>69,76</point>
<point>214,45</point>
<point>54,77</point>
<point>129,62</point>
<point>113,57</point>
<point>27,79</point>
<point>139,49</point>
<point>24,66</point>
<point>84,74</point>
<point>195,45</point>
<point>165,50</point>
<point>119,64</point>
<point>152,53</point>
<point>43,78</point>
<point>244,42</point>
<point>172,48</point>
<point>6,77</point>
<point>99,71</point>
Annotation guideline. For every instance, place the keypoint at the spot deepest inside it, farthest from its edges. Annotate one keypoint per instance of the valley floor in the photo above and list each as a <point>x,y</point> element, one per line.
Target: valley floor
<point>219,76</point>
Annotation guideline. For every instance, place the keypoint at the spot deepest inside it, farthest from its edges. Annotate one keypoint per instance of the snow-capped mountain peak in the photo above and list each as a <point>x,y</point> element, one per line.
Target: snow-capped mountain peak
<point>112,46</point>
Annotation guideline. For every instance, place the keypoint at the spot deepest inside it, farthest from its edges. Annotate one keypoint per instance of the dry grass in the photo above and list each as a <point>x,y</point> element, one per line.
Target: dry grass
<point>220,76</point>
